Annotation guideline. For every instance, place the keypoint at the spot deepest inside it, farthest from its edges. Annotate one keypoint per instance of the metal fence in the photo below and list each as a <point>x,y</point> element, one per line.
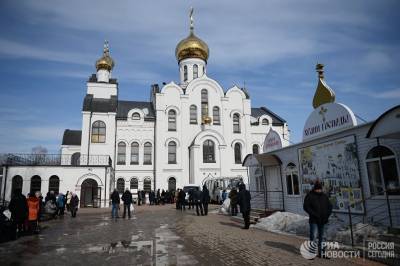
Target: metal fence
<point>269,200</point>
<point>16,159</point>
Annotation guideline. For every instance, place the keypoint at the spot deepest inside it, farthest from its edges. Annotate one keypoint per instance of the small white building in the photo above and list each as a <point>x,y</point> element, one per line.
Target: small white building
<point>189,130</point>
<point>358,165</point>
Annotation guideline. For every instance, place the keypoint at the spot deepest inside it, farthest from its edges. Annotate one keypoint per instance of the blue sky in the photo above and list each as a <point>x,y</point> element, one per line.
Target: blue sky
<point>48,50</point>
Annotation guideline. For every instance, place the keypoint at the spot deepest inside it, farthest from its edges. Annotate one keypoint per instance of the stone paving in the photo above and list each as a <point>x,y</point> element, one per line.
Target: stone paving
<point>156,235</point>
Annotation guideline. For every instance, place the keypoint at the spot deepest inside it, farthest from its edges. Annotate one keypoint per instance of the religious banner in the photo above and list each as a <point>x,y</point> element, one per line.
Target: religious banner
<point>335,164</point>
<point>328,118</point>
<point>272,141</point>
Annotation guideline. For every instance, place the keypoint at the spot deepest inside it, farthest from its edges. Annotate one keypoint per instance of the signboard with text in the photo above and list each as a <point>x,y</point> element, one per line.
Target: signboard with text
<point>328,118</point>
<point>272,141</point>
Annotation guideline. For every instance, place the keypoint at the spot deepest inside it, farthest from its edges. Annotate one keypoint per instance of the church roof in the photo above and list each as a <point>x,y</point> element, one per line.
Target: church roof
<point>99,105</point>
<point>72,137</point>
<point>125,106</point>
<point>276,119</point>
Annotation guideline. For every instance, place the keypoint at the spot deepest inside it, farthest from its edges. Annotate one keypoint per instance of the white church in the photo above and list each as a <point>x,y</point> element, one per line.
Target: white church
<point>188,131</point>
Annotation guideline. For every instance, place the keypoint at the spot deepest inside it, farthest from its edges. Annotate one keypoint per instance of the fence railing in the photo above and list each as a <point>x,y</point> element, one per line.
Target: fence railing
<point>267,199</point>
<point>380,212</point>
<point>17,159</point>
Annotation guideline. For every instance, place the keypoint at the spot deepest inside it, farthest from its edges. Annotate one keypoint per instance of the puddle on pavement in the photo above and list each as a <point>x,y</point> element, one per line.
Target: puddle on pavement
<point>163,249</point>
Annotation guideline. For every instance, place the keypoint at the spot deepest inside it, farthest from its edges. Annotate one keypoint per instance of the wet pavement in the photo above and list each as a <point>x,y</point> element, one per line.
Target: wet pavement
<point>156,235</point>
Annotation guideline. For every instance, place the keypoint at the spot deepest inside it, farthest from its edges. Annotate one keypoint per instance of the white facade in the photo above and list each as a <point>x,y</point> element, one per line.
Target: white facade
<point>127,130</point>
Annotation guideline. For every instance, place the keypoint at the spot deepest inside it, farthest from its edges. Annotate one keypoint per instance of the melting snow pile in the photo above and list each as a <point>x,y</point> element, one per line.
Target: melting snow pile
<point>225,207</point>
<point>336,230</point>
<point>284,222</point>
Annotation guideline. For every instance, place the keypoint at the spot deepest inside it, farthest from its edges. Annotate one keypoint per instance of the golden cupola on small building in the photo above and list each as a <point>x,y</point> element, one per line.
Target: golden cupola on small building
<point>192,55</point>
<point>104,65</point>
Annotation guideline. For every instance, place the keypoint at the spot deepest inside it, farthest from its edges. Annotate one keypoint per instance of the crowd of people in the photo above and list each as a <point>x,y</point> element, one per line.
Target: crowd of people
<point>196,198</point>
<point>28,211</point>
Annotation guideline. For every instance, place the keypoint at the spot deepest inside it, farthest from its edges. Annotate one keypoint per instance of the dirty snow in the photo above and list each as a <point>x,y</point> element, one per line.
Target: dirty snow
<point>336,230</point>
<point>225,207</point>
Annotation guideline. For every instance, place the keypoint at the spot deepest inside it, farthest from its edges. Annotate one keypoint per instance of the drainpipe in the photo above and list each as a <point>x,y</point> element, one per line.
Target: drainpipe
<point>154,154</point>
<point>5,173</point>
<point>105,186</point>
<point>90,132</point>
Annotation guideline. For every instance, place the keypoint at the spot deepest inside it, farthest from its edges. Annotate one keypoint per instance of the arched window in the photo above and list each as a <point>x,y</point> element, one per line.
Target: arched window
<point>208,151</point>
<point>16,184</point>
<point>382,171</point>
<point>256,149</point>
<point>136,116</point>
<point>120,185</point>
<point>134,183</point>
<point>216,116</point>
<point>171,120</point>
<point>147,153</point>
<point>76,158</point>
<point>36,184</point>
<point>185,73</point>
<point>195,71</point>
<point>265,122</point>
<point>54,184</point>
<point>193,114</point>
<point>292,180</point>
<point>172,152</point>
<point>121,153</point>
<point>204,103</point>
<point>147,184</point>
<point>99,132</point>
<point>236,123</point>
<point>238,153</point>
<point>171,184</point>
<point>135,153</point>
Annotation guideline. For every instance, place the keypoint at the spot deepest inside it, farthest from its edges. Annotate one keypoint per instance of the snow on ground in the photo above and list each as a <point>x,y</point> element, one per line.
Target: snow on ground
<point>225,207</point>
<point>336,229</point>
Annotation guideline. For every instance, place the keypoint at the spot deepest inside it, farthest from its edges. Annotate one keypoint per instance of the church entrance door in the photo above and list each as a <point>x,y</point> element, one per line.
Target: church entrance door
<point>90,194</point>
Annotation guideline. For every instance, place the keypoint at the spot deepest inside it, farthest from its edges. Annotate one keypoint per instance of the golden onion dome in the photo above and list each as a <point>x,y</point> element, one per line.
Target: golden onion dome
<point>323,93</point>
<point>192,46</point>
<point>105,62</point>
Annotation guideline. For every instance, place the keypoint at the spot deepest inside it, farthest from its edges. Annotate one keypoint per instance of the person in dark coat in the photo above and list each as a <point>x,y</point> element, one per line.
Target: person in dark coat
<point>233,197</point>
<point>319,208</point>
<point>127,199</point>
<point>163,197</point>
<point>74,203</point>
<point>197,199</point>
<point>205,199</point>
<point>182,196</point>
<point>143,193</point>
<point>139,195</point>
<point>19,210</point>
<point>115,201</point>
<point>191,198</point>
<point>244,198</point>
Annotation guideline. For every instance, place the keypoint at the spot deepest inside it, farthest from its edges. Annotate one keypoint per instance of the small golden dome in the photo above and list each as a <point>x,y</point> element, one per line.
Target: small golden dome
<point>323,94</point>
<point>105,62</point>
<point>207,120</point>
<point>192,46</point>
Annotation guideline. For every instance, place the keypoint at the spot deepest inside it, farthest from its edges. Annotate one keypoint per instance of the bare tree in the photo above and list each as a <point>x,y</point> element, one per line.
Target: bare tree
<point>39,150</point>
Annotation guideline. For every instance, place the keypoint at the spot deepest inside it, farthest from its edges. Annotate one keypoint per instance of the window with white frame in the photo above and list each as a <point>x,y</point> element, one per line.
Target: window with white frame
<point>236,123</point>
<point>172,152</point>
<point>185,73</point>
<point>208,151</point>
<point>216,116</point>
<point>121,153</point>
<point>292,180</point>
<point>136,116</point>
<point>238,153</point>
<point>195,71</point>
<point>193,114</point>
<point>382,171</point>
<point>135,153</point>
<point>171,120</point>
<point>98,132</point>
<point>147,153</point>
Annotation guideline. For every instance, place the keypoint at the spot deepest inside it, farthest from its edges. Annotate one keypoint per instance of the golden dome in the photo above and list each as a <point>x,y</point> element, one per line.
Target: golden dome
<point>105,62</point>
<point>323,93</point>
<point>192,46</point>
<point>207,120</point>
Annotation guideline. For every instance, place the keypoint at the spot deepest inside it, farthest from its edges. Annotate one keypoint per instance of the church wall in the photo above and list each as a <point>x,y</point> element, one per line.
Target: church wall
<point>70,178</point>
